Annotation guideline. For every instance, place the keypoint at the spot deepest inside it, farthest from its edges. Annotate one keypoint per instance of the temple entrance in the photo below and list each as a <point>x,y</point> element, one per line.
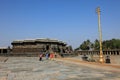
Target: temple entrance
<point>47,47</point>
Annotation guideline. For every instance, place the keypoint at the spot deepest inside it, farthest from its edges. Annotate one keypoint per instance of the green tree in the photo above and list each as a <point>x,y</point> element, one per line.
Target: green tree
<point>77,49</point>
<point>96,45</point>
<point>111,44</point>
<point>86,45</point>
<point>107,44</point>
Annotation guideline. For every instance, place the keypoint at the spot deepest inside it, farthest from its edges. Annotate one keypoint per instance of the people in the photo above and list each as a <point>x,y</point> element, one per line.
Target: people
<point>51,56</point>
<point>47,55</point>
<point>40,57</point>
<point>55,55</point>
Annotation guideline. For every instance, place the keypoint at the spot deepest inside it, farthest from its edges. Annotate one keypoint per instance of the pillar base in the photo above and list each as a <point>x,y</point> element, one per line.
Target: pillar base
<point>101,60</point>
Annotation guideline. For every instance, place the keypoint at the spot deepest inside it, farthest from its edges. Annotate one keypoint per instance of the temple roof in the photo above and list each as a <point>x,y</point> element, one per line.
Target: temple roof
<point>38,40</point>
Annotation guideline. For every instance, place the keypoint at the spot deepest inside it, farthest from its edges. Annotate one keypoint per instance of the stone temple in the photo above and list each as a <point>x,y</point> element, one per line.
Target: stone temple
<point>34,47</point>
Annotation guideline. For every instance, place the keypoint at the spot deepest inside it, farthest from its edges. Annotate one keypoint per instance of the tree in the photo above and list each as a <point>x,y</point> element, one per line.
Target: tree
<point>107,44</point>
<point>96,45</point>
<point>111,44</point>
<point>77,49</point>
<point>86,45</point>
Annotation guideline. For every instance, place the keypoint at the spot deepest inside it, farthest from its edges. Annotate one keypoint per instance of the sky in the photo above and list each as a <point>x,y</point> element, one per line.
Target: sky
<point>71,21</point>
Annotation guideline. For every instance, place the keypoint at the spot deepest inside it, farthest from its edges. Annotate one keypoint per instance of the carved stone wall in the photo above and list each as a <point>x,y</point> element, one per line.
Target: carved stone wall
<point>36,46</point>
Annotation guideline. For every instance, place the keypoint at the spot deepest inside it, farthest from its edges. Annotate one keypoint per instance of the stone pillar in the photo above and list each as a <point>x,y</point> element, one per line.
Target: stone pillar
<point>90,53</point>
<point>95,53</point>
<point>107,53</point>
<point>115,52</point>
<point>79,53</point>
<point>110,53</point>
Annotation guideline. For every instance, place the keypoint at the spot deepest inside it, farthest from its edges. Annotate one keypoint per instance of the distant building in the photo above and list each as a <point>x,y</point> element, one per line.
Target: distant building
<point>5,50</point>
<point>36,46</point>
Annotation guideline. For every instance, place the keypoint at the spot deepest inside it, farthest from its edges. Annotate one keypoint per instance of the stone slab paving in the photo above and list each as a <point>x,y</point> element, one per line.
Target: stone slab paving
<point>95,65</point>
<point>3,59</point>
<point>30,68</point>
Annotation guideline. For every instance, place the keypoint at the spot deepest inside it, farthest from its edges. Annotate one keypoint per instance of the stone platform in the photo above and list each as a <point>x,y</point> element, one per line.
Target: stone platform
<point>30,68</point>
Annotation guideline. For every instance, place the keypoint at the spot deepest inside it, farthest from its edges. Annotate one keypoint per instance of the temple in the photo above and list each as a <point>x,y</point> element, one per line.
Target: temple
<point>36,46</point>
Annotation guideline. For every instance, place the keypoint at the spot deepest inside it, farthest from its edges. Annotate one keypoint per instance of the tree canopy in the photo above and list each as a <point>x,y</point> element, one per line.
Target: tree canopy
<point>107,44</point>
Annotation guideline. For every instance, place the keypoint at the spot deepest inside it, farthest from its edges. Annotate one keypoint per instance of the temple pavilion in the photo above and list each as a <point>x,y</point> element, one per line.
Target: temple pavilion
<point>35,46</point>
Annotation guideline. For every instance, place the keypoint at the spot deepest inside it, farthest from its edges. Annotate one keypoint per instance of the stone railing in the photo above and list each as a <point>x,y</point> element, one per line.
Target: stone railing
<point>95,52</point>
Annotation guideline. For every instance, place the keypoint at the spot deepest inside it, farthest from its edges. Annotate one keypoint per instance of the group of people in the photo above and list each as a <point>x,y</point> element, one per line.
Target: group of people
<point>48,55</point>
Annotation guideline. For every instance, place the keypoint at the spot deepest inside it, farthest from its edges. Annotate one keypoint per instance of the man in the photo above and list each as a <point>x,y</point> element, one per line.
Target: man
<point>40,57</point>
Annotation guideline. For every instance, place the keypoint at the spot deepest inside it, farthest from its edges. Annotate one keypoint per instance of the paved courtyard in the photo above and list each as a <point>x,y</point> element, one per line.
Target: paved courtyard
<point>29,68</point>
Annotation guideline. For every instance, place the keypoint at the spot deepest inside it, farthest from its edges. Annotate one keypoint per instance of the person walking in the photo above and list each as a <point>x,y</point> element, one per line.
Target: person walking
<point>40,57</point>
<point>51,56</point>
<point>47,55</point>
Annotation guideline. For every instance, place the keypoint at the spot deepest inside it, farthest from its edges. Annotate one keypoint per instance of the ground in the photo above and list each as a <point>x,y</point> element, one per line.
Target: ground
<point>30,68</point>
